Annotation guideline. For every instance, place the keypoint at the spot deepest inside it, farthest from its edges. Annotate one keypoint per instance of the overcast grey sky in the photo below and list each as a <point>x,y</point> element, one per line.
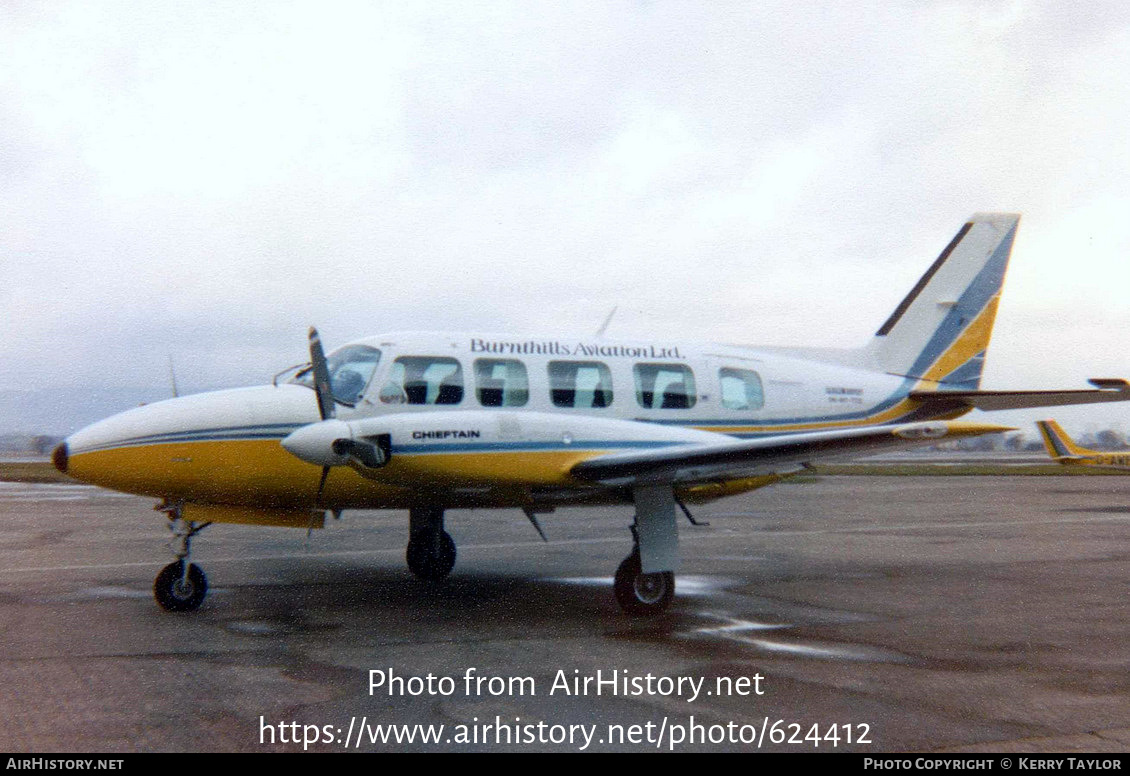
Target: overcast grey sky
<point>205,180</point>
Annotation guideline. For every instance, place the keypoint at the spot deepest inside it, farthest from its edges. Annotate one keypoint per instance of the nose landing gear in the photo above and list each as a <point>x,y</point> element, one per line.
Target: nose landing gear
<point>181,586</point>
<point>179,590</point>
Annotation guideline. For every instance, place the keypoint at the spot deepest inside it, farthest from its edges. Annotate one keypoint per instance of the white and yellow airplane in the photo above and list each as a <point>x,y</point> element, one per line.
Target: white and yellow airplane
<point>431,421</point>
<point>1063,449</point>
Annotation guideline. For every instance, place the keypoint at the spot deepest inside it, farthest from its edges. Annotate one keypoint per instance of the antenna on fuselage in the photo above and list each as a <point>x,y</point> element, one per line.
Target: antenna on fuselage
<point>608,320</point>
<point>173,376</point>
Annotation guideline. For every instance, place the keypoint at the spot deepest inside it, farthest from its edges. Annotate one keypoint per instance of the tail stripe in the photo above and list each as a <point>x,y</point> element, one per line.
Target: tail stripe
<point>968,375</point>
<point>985,287</point>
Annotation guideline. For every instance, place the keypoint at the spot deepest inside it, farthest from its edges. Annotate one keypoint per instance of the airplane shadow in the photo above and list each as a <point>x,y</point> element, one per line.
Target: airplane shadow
<point>333,596</point>
<point>386,606</point>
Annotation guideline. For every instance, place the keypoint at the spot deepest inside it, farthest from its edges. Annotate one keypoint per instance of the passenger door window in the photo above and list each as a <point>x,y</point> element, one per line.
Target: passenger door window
<point>741,389</point>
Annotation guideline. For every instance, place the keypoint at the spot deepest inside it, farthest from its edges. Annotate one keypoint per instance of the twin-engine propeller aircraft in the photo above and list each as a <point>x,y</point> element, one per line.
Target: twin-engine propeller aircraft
<point>430,422</point>
<point>1063,449</point>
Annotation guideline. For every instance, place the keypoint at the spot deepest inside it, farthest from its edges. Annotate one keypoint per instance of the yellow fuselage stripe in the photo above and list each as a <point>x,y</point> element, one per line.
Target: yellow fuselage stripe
<point>261,473</point>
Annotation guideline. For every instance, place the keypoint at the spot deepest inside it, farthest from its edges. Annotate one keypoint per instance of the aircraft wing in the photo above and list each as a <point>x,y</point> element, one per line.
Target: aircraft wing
<point>731,458</point>
<point>1107,390</point>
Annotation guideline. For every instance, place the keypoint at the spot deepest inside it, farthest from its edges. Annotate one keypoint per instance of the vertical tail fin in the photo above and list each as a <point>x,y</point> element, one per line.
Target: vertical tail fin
<point>941,330</point>
<point>1057,442</point>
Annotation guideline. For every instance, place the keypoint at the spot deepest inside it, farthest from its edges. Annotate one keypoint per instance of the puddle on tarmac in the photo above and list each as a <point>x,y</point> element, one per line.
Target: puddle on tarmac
<point>768,630</point>
<point>757,635</point>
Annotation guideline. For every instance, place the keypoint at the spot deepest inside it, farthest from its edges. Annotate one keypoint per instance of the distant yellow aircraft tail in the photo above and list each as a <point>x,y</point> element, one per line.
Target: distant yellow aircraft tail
<point>1058,443</point>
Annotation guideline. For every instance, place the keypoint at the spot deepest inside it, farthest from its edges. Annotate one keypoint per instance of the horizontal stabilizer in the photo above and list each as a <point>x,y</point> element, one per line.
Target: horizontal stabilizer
<point>1108,390</point>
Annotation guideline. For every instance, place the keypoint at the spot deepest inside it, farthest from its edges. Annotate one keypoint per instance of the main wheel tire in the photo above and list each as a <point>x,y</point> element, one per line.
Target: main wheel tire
<point>427,561</point>
<point>642,594</point>
<point>174,593</point>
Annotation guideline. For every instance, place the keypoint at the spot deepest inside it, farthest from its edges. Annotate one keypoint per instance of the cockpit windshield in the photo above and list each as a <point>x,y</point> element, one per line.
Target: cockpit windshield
<point>351,368</point>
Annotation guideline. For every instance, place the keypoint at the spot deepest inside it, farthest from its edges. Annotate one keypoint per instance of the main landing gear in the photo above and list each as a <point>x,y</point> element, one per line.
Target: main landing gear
<point>181,586</point>
<point>431,556</point>
<point>431,550</point>
<point>655,546</point>
<point>642,594</point>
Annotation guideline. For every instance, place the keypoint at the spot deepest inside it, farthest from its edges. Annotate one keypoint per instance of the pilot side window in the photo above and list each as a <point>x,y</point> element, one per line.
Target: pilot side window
<point>582,384</point>
<point>665,386</point>
<point>501,382</point>
<point>350,369</point>
<point>424,380</point>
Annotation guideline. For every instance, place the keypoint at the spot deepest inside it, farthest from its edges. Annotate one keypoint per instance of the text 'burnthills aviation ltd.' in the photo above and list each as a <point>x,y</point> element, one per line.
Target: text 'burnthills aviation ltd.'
<point>433,421</point>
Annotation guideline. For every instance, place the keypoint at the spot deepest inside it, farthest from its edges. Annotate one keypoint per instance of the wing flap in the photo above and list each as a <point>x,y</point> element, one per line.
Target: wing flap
<point>733,458</point>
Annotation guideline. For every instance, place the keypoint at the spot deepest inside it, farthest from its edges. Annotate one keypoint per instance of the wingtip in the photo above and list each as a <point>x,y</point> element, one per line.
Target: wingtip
<point>1109,383</point>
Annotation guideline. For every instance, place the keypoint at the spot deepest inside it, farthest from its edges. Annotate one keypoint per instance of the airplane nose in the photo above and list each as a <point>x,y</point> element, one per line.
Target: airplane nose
<point>217,445</point>
<point>59,457</point>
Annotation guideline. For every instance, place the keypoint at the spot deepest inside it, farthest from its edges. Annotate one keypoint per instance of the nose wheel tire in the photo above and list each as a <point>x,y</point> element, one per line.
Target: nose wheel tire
<point>431,558</point>
<point>642,594</point>
<point>175,592</point>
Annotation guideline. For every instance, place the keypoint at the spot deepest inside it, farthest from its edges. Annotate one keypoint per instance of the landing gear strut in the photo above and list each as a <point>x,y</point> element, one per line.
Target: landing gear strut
<point>655,531</point>
<point>431,550</point>
<point>181,586</point>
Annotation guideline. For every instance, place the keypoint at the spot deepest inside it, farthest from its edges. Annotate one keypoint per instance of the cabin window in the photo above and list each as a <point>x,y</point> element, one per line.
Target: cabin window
<point>665,386</point>
<point>424,380</point>
<point>583,384</point>
<point>741,389</point>
<point>350,369</point>
<point>501,382</point>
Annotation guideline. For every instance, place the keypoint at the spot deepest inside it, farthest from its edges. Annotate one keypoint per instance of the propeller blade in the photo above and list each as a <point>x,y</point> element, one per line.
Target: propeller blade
<point>321,486</point>
<point>322,388</point>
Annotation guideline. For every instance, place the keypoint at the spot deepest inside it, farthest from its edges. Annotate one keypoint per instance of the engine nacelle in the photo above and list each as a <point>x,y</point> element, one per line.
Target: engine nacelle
<point>524,447</point>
